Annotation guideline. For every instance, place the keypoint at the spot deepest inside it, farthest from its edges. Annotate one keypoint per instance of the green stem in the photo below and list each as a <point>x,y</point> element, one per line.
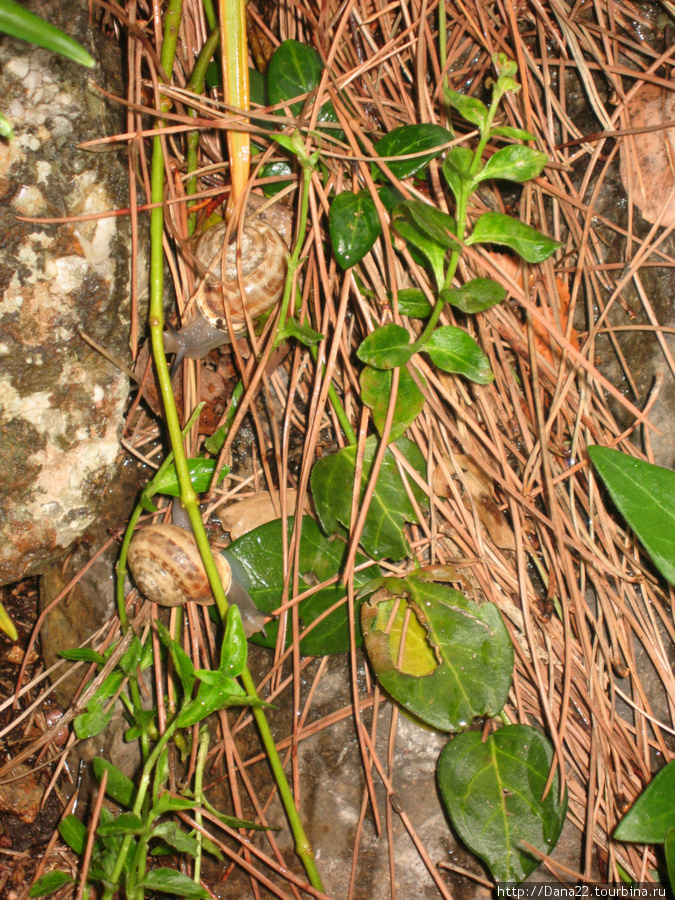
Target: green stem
<point>294,260</point>
<point>196,84</point>
<point>199,797</point>
<point>343,419</point>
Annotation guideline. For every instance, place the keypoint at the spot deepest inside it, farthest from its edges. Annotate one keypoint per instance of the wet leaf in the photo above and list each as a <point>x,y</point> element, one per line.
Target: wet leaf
<point>375,393</point>
<point>390,507</point>
<point>93,721</point>
<point>455,351</point>
<point>431,250</point>
<point>260,552</point>
<point>49,883</point>
<point>493,793</point>
<point>475,296</point>
<point>234,648</point>
<point>296,69</point>
<point>469,108</point>
<point>354,226</point>
<point>386,347</point>
<point>84,654</point>
<point>171,881</point>
<point>272,170</point>
<point>497,228</point>
<point>390,196</point>
<point>461,659</point>
<point>221,693</point>
<point>513,163</point>
<point>413,302</point>
<point>411,139</point>
<point>653,814</point>
<point>181,661</point>
<point>201,475</point>
<point>645,496</point>
<point>433,222</point>
<point>456,169</point>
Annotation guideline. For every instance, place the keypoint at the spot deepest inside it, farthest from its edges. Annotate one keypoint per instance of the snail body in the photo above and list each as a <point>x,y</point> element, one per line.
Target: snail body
<point>264,264</point>
<point>167,568</point>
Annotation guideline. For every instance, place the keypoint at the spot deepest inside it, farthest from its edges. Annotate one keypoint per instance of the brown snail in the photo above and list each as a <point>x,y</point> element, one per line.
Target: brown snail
<point>167,568</point>
<point>264,263</point>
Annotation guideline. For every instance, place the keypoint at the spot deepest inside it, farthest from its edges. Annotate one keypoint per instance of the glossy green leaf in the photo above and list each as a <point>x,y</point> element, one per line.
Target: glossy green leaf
<point>475,296</point>
<point>390,507</point>
<point>411,139</point>
<point>233,822</point>
<point>456,169</point>
<point>220,693</point>
<point>19,22</point>
<point>469,108</point>
<point>171,881</point>
<point>131,660</point>
<point>109,686</point>
<point>84,654</point>
<point>645,496</point>
<point>175,837</point>
<point>166,803</point>
<point>386,347</point>
<point>518,134</point>
<point>669,851</point>
<point>493,793</point>
<point>49,883</point>
<point>260,553</point>
<point>201,475</point>
<point>390,196</point>
<point>274,170</point>
<point>458,657</point>
<point>181,661</point>
<point>234,648</point>
<point>412,302</point>
<point>125,823</point>
<point>93,721</point>
<point>455,351</point>
<point>433,222</point>
<point>301,332</point>
<point>430,250</point>
<point>74,833</point>
<point>295,69</point>
<point>375,393</point>
<point>513,163</point>
<point>497,228</point>
<point>119,787</point>
<point>354,226</point>
<point>653,813</point>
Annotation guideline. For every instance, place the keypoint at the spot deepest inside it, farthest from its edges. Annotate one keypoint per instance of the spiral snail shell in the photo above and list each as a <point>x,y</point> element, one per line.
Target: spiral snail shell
<point>264,264</point>
<point>167,568</point>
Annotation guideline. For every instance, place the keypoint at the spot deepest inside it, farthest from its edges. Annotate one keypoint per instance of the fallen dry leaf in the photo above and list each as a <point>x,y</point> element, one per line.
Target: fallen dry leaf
<point>649,157</point>
<point>245,515</point>
<point>480,489</point>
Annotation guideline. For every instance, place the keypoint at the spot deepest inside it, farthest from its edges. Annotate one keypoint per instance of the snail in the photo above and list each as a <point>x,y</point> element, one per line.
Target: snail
<point>167,568</point>
<point>264,264</point>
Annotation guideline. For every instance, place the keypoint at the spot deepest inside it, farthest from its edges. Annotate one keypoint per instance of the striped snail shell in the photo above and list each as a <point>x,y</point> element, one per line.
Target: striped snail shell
<point>167,567</point>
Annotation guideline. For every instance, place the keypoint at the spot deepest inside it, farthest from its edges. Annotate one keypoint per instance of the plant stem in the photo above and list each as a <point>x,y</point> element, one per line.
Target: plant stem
<point>196,84</point>
<point>294,260</point>
<point>235,90</point>
<point>199,797</point>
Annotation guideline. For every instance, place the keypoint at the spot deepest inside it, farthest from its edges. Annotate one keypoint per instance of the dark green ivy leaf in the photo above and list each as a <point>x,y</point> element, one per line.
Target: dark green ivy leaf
<point>411,139</point>
<point>653,813</point>
<point>375,393</point>
<point>296,69</point>
<point>354,226</point>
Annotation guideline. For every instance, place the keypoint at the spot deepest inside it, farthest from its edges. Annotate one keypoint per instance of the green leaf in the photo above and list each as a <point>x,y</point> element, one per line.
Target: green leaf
<point>173,882</point>
<point>272,170</point>
<point>390,196</point>
<point>119,787</point>
<point>375,393</point>
<point>84,654</point>
<point>455,351</point>
<point>411,139</point>
<point>433,222</point>
<point>93,721</point>
<point>669,850</point>
<point>7,131</point>
<point>233,822</point>
<point>653,813</point>
<point>412,302</point>
<point>457,170</point>
<point>497,228</point>
<point>260,553</point>
<point>166,804</point>
<point>301,332</point>
<point>49,883</point>
<point>18,22</point>
<point>386,347</point>
<point>221,694</point>
<point>201,474</point>
<point>469,108</point>
<point>513,163</point>
<point>126,823</point>
<point>74,833</point>
<point>419,240</point>
<point>390,507</point>
<point>175,837</point>
<point>296,69</point>
<point>493,793</point>
<point>475,296</point>
<point>182,662</point>
<point>234,647</point>
<point>645,496</point>
<point>354,226</point>
<point>518,134</point>
<point>132,658</point>
<point>458,657</point>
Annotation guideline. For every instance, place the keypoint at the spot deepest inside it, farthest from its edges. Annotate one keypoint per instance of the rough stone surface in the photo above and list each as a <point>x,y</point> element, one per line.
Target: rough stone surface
<point>61,403</point>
